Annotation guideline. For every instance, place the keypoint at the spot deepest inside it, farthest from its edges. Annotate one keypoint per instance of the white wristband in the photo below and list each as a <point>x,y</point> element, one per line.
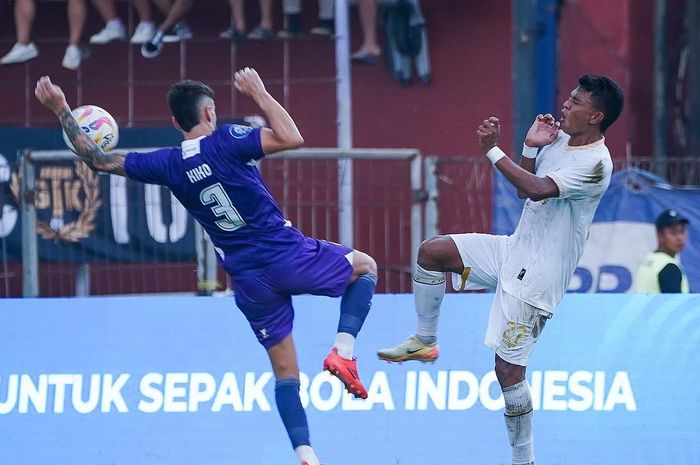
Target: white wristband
<point>495,154</point>
<point>529,152</point>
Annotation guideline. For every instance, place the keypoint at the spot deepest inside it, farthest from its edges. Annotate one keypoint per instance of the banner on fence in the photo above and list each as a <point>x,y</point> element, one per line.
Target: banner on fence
<point>83,216</point>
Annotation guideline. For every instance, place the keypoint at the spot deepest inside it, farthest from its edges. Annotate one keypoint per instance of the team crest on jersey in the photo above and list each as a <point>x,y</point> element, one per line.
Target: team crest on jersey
<point>239,131</point>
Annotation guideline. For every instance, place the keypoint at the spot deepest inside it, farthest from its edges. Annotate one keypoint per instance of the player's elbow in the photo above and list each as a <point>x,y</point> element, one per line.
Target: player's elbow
<point>538,189</point>
<point>296,141</point>
<point>538,193</point>
<point>290,141</point>
<point>537,196</point>
<point>528,190</point>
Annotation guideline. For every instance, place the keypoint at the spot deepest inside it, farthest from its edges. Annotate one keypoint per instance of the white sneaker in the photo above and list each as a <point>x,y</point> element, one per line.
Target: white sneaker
<point>143,32</point>
<point>19,53</point>
<point>113,30</point>
<point>73,57</point>
<point>180,31</point>
<point>412,349</point>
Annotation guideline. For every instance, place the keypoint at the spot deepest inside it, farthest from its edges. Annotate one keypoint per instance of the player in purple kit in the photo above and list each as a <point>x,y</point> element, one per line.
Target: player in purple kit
<point>214,175</point>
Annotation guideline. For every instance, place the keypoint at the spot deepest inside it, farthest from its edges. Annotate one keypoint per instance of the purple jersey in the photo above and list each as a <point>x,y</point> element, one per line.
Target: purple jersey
<point>217,181</point>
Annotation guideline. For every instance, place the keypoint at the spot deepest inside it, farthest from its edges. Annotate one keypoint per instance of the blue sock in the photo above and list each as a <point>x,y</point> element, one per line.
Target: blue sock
<point>355,304</point>
<point>291,411</point>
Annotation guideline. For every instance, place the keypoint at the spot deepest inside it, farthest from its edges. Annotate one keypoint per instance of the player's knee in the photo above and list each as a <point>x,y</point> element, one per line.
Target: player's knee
<point>283,358</point>
<point>433,253</point>
<point>508,374</point>
<point>284,369</point>
<point>363,264</point>
<point>371,266</point>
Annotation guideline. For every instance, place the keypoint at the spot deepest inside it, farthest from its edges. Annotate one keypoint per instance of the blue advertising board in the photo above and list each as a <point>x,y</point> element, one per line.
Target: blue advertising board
<point>183,381</point>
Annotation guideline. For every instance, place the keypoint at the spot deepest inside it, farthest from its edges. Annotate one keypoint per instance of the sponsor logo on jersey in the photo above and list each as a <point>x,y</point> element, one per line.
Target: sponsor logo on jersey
<point>239,131</point>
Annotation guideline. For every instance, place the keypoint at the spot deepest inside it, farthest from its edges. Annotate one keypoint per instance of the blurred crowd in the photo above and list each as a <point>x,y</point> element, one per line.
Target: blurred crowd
<point>154,36</point>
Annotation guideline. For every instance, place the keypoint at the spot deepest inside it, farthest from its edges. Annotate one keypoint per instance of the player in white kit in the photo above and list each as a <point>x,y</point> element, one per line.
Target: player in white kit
<point>530,270</point>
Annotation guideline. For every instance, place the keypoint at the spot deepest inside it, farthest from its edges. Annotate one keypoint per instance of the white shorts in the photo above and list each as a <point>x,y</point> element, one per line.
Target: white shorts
<point>514,326</point>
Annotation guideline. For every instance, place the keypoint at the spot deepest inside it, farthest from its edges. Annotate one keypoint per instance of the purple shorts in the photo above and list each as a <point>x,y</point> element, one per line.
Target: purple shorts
<point>319,268</point>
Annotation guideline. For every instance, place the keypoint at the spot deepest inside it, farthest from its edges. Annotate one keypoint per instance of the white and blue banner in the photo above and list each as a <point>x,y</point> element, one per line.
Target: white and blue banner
<point>623,229</point>
<point>182,381</point>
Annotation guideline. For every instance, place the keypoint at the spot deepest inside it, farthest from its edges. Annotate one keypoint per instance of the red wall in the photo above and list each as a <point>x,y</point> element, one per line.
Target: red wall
<point>471,53</point>
<point>617,39</point>
<point>470,47</point>
<point>471,76</point>
<point>470,50</point>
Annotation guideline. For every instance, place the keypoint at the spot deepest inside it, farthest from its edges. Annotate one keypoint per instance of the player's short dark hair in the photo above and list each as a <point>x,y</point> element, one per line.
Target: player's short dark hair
<point>606,95</point>
<point>184,100</point>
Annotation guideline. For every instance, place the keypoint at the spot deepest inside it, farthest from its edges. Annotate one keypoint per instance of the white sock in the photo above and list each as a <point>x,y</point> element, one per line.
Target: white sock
<point>519,422</point>
<point>345,343</point>
<point>306,453</point>
<point>428,291</point>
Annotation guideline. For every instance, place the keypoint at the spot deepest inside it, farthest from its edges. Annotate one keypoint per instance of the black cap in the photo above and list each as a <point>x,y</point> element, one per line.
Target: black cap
<point>669,218</point>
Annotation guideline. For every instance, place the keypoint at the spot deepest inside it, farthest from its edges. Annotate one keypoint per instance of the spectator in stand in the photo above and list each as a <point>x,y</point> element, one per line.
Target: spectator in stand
<point>237,29</point>
<point>114,27</point>
<point>25,49</point>
<point>661,271</point>
<point>293,26</point>
<point>172,29</point>
<point>370,51</point>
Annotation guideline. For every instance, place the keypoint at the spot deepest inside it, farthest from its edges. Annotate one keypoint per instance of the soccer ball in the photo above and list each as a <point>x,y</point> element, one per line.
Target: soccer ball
<point>98,124</point>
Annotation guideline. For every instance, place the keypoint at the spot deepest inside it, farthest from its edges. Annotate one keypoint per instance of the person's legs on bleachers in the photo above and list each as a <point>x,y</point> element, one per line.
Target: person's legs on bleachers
<point>77,11</point>
<point>114,27</point>
<point>369,51</point>
<point>172,29</point>
<point>326,15</point>
<point>24,49</point>
<point>236,29</point>
<point>292,19</point>
<point>146,28</point>
<point>263,31</point>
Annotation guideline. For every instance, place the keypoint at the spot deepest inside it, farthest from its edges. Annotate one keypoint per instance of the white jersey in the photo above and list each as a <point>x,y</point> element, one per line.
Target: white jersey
<point>545,248</point>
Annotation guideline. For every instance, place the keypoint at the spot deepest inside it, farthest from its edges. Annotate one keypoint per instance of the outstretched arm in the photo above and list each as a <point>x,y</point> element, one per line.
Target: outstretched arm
<point>522,177</point>
<point>51,96</point>
<point>283,133</point>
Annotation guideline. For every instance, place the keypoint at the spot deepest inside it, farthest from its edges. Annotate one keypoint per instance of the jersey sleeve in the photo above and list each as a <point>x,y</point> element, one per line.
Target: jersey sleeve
<point>583,178</point>
<point>150,167</point>
<point>242,142</point>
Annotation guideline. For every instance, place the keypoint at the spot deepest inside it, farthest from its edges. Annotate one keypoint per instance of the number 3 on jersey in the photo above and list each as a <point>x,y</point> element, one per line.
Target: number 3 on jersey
<point>216,195</point>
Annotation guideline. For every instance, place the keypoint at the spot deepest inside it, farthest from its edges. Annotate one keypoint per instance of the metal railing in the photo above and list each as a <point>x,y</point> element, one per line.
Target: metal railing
<point>388,209</point>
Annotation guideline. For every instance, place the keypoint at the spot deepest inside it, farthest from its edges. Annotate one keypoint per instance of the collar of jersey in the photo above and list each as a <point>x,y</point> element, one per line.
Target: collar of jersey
<point>586,147</point>
<point>187,142</point>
